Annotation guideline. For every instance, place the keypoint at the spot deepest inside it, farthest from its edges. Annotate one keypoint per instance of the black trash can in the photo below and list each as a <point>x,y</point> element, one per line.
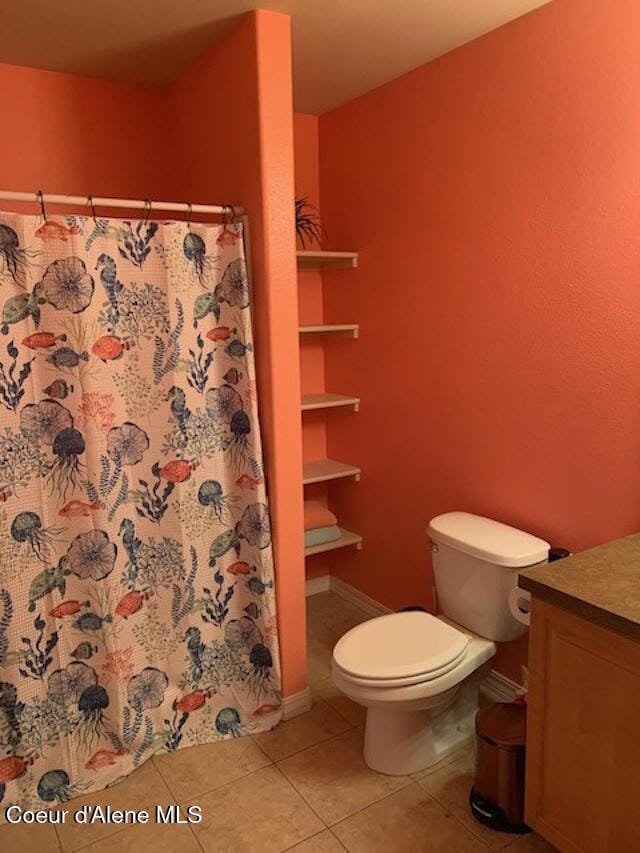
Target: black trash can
<point>497,797</point>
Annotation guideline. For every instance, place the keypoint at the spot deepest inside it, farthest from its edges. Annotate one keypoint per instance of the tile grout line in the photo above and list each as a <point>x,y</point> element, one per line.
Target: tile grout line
<point>291,785</point>
<point>319,696</point>
<point>106,837</point>
<point>311,745</point>
<point>315,835</point>
<point>181,802</point>
<point>338,840</point>
<point>444,762</point>
<point>166,781</point>
<point>198,842</point>
<point>469,828</point>
<point>116,831</point>
<point>431,796</point>
<point>119,829</point>
<point>174,797</point>
<point>372,803</point>
<point>357,811</point>
<point>326,825</point>
<point>410,781</point>
<point>306,802</point>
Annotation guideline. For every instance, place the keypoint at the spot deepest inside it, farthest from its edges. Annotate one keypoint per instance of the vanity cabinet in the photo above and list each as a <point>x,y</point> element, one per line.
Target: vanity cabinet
<point>583,733</point>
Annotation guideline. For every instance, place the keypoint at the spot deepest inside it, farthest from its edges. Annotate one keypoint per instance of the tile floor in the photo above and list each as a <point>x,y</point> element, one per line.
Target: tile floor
<point>302,787</point>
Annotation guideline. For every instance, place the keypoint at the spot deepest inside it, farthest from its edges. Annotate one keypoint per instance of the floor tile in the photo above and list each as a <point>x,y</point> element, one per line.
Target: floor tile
<point>335,781</point>
<point>351,711</point>
<point>332,611</point>
<point>328,617</point>
<point>290,736</point>
<point>150,837</point>
<point>259,812</point>
<point>324,842</point>
<point>144,789</point>
<point>320,645</point>
<point>198,769</point>
<point>531,843</point>
<point>410,819</point>
<point>28,839</point>
<point>323,635</point>
<point>450,785</point>
<point>463,753</point>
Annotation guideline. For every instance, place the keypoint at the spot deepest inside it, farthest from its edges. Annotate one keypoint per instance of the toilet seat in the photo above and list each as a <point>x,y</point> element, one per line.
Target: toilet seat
<point>399,649</point>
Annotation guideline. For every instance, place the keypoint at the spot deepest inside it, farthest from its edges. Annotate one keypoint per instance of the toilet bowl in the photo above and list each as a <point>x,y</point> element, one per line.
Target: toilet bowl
<point>412,719</point>
<point>417,674</point>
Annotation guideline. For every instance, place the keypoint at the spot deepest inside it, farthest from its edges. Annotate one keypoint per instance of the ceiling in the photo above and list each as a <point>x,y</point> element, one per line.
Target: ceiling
<point>340,49</point>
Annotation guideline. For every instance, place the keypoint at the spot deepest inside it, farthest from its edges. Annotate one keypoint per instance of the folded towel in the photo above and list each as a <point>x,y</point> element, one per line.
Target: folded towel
<point>321,535</point>
<point>317,515</point>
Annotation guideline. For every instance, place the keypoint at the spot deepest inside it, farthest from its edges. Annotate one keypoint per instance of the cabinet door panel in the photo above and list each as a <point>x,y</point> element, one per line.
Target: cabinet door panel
<point>583,740</point>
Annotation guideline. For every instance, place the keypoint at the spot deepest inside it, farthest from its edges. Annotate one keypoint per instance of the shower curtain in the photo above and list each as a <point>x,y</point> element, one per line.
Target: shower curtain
<point>136,576</point>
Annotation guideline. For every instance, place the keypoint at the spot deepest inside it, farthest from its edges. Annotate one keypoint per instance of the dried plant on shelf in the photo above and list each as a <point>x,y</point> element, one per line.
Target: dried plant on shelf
<point>308,225</point>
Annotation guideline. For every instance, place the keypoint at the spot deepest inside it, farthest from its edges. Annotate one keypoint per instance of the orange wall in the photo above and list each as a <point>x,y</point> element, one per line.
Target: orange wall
<point>307,157</point>
<point>68,134</point>
<point>223,132</point>
<point>494,197</point>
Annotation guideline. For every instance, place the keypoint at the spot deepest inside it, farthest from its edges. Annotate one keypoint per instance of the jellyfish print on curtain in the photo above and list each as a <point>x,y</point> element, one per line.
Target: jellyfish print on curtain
<point>136,575</point>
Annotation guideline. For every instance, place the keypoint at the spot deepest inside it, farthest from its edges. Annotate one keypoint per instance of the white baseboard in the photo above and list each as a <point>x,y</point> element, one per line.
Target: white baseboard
<point>316,585</point>
<point>499,688</point>
<point>297,703</point>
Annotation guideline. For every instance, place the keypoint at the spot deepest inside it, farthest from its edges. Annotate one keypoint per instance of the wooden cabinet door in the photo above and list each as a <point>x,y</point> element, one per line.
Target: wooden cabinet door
<point>583,734</point>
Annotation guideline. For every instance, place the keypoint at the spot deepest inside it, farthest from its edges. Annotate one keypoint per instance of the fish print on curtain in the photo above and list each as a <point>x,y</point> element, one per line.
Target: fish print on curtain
<point>136,575</point>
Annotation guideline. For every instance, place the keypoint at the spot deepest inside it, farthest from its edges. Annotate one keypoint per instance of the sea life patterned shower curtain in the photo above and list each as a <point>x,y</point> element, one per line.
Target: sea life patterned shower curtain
<point>136,575</point>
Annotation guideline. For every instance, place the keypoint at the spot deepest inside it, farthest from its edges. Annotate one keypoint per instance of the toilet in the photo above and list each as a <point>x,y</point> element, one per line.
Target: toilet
<point>417,674</point>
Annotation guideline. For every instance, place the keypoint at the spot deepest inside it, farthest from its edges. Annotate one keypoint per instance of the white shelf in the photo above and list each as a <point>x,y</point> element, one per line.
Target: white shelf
<point>312,402</point>
<point>341,330</point>
<point>324,470</point>
<point>316,260</point>
<point>346,538</point>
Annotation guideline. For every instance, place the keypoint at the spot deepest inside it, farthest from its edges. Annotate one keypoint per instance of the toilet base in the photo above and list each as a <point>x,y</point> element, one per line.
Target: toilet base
<point>399,742</point>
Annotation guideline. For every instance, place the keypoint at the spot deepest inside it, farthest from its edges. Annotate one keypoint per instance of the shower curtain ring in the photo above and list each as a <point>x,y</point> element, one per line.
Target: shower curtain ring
<point>189,215</point>
<point>40,197</point>
<point>92,208</point>
<point>146,213</point>
<point>228,214</point>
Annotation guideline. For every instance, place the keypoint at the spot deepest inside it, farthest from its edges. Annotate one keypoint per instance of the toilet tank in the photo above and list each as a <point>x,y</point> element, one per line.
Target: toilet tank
<point>475,566</point>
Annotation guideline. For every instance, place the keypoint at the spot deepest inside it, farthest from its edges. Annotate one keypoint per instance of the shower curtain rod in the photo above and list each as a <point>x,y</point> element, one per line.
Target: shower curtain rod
<point>99,201</point>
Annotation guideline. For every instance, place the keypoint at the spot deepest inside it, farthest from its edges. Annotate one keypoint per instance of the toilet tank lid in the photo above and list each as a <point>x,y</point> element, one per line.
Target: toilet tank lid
<point>488,540</point>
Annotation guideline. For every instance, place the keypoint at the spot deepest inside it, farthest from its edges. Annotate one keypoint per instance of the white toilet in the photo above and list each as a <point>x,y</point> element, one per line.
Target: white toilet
<point>417,674</point>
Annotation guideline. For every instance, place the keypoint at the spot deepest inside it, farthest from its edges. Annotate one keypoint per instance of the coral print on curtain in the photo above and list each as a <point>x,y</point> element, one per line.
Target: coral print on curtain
<point>136,575</point>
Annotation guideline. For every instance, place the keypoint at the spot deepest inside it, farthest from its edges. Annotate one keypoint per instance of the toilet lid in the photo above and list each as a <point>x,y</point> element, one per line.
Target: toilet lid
<point>399,645</point>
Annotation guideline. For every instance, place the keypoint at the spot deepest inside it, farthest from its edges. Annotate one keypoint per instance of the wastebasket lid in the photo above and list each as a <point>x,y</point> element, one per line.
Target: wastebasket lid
<point>504,724</point>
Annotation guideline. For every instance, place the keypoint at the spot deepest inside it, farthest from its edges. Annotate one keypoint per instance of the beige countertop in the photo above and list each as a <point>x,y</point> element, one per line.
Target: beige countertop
<point>601,585</point>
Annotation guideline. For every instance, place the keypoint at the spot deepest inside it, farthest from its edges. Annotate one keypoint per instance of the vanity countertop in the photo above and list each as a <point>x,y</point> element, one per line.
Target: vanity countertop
<point>601,584</point>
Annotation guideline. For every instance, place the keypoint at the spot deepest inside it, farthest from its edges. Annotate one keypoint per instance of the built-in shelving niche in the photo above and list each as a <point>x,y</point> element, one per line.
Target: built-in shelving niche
<point>327,470</point>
